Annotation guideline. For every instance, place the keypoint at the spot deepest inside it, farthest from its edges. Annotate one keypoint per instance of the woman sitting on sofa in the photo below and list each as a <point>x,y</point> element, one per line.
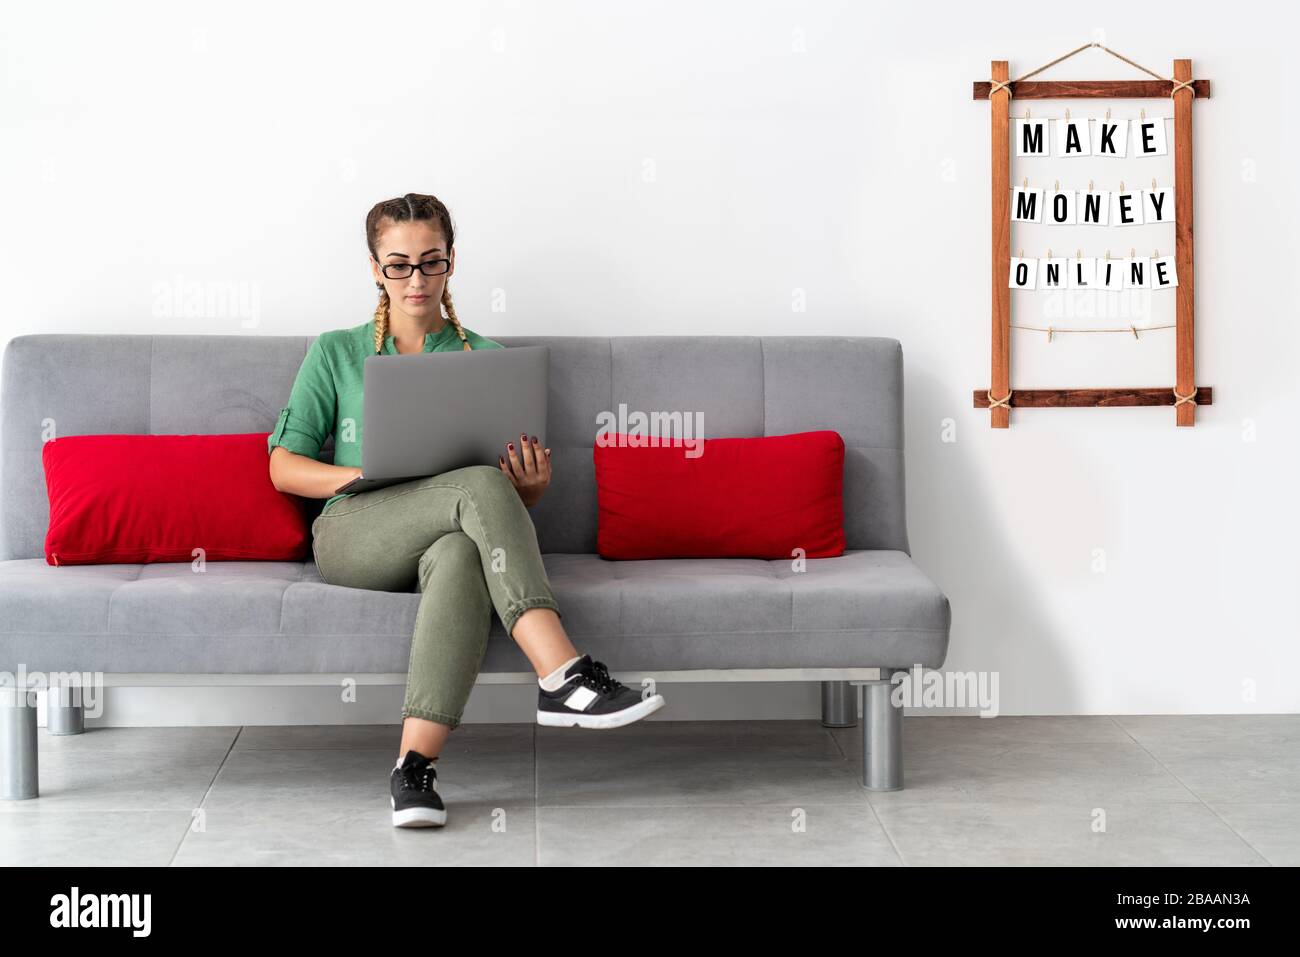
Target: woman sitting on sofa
<point>438,533</point>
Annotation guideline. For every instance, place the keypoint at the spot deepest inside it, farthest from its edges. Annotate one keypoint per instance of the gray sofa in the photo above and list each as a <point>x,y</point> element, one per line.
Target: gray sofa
<point>846,621</point>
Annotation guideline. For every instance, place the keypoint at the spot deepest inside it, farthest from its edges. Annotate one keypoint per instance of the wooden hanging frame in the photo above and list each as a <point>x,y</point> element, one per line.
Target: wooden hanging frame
<point>1185,395</point>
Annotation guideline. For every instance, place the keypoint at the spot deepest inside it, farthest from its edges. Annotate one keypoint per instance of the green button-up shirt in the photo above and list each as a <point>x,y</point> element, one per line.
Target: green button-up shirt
<point>328,394</point>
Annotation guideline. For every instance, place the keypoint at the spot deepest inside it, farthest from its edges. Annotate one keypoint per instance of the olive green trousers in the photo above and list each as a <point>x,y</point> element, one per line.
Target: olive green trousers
<point>466,541</point>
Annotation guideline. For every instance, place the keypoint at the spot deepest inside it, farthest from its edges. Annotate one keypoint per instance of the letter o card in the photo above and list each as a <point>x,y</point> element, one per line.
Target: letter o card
<point>1060,208</point>
<point>1024,273</point>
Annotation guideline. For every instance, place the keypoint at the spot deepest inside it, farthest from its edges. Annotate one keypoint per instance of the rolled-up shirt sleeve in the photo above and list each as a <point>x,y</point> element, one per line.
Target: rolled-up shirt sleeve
<point>307,421</point>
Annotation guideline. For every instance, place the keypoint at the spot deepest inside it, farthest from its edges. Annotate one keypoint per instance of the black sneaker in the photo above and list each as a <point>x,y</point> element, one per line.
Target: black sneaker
<point>591,698</point>
<point>415,798</point>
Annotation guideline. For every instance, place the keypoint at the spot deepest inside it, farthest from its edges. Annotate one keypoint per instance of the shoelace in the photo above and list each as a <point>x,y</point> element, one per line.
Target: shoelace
<point>419,776</point>
<point>599,679</point>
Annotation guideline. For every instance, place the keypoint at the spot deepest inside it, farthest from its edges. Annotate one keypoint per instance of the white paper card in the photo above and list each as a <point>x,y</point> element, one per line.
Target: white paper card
<point>1110,138</point>
<point>1072,138</point>
<point>1110,274</point>
<point>1127,209</point>
<point>1158,205</point>
<point>1052,273</point>
<point>1093,208</point>
<point>1164,273</point>
<point>1024,273</point>
<point>1082,273</point>
<point>1137,273</point>
<point>1031,138</point>
<point>1060,208</point>
<point>1149,137</point>
<point>1026,205</point>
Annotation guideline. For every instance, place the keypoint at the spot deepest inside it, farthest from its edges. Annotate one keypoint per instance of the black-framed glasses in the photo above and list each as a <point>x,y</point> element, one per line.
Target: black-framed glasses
<point>430,267</point>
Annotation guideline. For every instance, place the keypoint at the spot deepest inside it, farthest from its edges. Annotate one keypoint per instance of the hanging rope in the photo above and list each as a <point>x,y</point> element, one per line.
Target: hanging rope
<point>1190,398</point>
<point>995,85</point>
<point>1004,402</point>
<point>1055,329</point>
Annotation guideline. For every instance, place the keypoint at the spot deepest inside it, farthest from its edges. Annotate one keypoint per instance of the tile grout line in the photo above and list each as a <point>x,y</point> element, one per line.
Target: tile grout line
<point>836,741</point>
<point>1200,800</point>
<point>867,796</point>
<point>537,811</point>
<point>206,792</point>
<point>889,837</point>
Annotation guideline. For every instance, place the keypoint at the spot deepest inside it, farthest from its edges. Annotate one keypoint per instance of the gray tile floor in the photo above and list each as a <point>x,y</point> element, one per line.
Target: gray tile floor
<point>1186,790</point>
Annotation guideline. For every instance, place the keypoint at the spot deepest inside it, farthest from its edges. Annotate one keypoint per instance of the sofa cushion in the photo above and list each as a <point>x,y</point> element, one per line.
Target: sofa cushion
<point>862,609</point>
<point>167,498</point>
<point>767,497</point>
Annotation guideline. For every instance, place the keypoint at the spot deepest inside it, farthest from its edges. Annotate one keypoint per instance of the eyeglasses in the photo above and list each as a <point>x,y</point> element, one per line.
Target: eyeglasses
<point>430,267</point>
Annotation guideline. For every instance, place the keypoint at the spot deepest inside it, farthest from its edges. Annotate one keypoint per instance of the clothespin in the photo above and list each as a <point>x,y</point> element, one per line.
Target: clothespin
<point>1108,112</point>
<point>1049,333</point>
<point>1090,186</point>
<point>1067,114</point>
<point>1025,184</point>
<point>1153,184</point>
<point>1026,112</point>
<point>1133,329</point>
<point>1121,186</point>
<point>1144,113</point>
<point>1058,185</point>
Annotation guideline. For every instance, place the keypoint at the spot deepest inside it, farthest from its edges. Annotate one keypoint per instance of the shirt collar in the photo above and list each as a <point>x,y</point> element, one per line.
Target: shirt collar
<point>431,339</point>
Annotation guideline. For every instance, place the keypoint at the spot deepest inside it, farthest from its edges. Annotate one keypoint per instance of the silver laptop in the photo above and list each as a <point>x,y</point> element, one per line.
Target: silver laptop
<point>430,412</point>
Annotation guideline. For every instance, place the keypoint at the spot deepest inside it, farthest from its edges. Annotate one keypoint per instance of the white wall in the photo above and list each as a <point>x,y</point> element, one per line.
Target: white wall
<point>242,149</point>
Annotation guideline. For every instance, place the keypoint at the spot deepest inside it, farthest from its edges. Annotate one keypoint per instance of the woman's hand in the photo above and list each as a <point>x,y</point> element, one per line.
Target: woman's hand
<point>528,467</point>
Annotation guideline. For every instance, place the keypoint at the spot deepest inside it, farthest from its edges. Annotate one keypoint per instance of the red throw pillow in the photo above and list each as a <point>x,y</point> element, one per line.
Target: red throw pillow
<point>157,498</point>
<point>728,498</point>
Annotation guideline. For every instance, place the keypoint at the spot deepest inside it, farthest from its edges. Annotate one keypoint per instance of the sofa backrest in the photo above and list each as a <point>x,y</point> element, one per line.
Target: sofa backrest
<point>739,385</point>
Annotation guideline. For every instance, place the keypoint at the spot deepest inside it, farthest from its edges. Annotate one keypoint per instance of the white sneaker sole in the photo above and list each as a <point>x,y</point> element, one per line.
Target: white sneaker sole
<point>559,719</point>
<point>418,816</point>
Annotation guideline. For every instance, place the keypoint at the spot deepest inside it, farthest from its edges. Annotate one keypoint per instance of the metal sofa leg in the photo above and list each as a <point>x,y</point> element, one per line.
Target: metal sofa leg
<point>839,705</point>
<point>882,736</point>
<point>64,710</point>
<point>18,770</point>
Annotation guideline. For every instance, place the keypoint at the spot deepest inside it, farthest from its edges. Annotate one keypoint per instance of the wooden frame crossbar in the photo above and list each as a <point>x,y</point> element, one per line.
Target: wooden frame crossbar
<point>996,398</point>
<point>1091,89</point>
<point>1089,398</point>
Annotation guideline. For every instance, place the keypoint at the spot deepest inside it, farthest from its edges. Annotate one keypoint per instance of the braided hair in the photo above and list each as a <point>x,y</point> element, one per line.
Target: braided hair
<point>408,208</point>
